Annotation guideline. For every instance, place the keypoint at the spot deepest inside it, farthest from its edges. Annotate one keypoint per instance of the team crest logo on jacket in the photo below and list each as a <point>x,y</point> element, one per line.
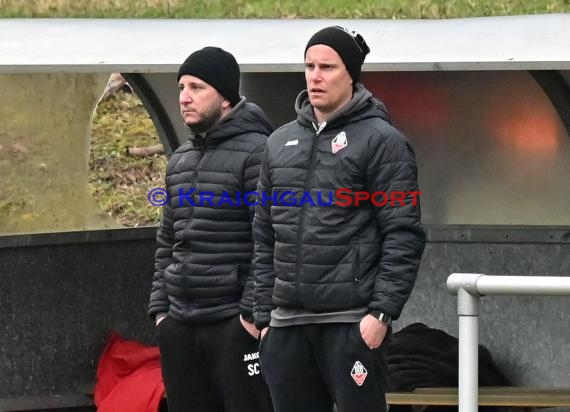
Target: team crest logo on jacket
<point>359,373</point>
<point>339,142</point>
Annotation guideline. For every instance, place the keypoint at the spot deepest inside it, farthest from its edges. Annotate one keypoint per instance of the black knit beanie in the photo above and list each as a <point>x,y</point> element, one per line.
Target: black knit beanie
<point>216,67</point>
<point>349,45</point>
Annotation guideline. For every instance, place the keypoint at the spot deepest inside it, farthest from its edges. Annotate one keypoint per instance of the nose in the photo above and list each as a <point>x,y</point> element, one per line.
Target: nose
<point>185,97</point>
<point>314,75</point>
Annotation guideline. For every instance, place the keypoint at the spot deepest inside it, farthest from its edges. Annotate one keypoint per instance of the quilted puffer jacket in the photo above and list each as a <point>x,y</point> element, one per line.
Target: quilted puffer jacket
<point>202,264</point>
<point>327,258</point>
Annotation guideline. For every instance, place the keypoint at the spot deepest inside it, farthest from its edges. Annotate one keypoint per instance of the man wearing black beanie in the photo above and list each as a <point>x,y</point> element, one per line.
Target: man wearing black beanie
<point>330,277</point>
<point>202,289</point>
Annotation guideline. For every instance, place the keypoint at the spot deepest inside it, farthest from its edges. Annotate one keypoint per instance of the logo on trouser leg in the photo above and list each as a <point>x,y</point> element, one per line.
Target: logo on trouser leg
<point>358,373</point>
<point>252,368</point>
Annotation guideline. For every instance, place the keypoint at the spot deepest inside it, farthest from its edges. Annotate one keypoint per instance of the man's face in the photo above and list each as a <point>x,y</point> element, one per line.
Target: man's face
<point>328,82</point>
<point>201,106</point>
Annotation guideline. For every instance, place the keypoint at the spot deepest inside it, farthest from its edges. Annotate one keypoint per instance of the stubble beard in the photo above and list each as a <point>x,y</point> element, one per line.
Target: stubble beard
<point>208,118</point>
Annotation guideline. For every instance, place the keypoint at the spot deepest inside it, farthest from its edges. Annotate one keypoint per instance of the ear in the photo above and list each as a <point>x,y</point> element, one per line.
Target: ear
<point>226,104</point>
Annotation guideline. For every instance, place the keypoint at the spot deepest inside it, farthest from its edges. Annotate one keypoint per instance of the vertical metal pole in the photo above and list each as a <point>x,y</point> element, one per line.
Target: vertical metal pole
<point>468,311</point>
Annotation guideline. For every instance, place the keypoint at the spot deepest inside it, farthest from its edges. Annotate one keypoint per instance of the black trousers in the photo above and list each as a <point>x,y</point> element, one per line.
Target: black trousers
<point>308,368</point>
<point>211,367</point>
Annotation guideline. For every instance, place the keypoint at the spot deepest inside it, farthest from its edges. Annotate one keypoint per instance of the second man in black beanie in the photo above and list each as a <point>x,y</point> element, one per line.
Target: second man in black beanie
<point>329,277</point>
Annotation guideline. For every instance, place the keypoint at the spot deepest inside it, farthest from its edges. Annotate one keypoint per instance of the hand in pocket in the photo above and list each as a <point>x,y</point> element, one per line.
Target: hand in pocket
<point>249,327</point>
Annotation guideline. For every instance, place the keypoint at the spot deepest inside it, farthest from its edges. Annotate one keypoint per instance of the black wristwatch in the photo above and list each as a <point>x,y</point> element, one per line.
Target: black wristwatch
<point>381,316</point>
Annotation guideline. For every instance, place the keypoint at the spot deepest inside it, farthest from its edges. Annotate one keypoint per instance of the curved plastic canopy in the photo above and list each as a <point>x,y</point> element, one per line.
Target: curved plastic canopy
<point>533,42</point>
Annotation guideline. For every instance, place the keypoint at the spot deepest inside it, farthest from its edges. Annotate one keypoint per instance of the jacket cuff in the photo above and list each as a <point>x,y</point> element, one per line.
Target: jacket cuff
<point>262,320</point>
<point>159,315</point>
<point>247,315</point>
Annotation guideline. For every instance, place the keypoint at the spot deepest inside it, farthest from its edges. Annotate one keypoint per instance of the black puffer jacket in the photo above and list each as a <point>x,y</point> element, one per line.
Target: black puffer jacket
<point>335,258</point>
<point>202,269</point>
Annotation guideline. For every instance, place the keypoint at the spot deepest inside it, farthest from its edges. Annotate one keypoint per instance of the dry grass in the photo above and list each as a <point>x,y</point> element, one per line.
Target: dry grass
<point>119,182</point>
<point>84,8</point>
<point>273,9</point>
<point>43,6</point>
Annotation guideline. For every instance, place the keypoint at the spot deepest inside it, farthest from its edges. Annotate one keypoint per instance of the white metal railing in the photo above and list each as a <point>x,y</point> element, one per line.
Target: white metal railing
<point>469,288</point>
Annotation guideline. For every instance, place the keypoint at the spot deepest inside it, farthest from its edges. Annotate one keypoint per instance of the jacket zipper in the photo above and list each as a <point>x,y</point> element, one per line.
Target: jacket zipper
<point>194,180</point>
<point>307,186</point>
<point>198,167</point>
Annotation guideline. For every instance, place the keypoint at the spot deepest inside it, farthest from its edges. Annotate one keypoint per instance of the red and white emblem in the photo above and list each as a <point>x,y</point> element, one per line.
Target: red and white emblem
<point>359,373</point>
<point>339,142</point>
